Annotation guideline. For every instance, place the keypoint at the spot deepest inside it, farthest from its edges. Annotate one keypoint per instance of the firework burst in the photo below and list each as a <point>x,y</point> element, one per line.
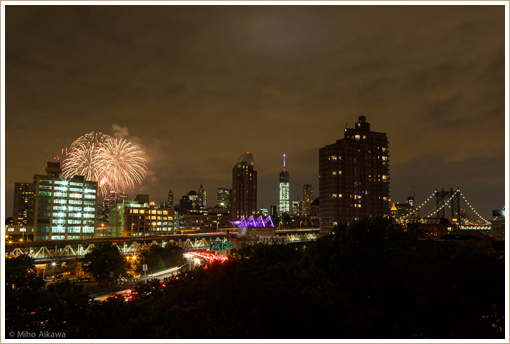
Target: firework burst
<point>115,164</point>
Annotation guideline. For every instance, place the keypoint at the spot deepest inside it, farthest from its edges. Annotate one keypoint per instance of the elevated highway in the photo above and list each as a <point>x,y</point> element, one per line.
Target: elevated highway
<point>43,251</point>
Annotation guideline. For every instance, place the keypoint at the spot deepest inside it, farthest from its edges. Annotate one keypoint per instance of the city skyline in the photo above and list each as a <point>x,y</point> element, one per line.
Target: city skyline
<point>196,86</point>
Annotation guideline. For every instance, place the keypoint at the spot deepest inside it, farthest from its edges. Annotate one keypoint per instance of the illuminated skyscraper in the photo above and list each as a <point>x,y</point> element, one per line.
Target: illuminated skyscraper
<point>284,207</point>
<point>307,198</point>
<point>243,195</point>
<point>354,176</point>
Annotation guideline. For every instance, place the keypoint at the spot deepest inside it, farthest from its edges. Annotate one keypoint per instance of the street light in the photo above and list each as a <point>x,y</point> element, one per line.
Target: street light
<point>53,264</point>
<point>145,269</point>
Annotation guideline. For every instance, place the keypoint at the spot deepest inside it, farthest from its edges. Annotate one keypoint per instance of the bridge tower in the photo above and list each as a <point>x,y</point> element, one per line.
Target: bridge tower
<point>455,204</point>
<point>442,196</point>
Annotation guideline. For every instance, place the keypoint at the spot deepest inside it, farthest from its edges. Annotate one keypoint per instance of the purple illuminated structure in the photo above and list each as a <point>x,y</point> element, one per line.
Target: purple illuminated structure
<point>243,223</point>
<point>251,222</point>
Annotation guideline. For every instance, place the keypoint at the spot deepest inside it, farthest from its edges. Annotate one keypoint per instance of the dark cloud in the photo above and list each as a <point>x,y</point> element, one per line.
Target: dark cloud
<point>196,86</point>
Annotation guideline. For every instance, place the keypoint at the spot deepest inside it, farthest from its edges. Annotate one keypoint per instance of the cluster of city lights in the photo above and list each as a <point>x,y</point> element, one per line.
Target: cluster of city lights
<point>211,257</point>
<point>415,210</point>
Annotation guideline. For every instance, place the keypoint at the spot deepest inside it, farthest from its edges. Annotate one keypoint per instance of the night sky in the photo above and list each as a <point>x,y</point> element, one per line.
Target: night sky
<point>197,86</point>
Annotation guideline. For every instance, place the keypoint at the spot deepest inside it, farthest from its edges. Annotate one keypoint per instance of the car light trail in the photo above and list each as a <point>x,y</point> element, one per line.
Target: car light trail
<point>209,256</point>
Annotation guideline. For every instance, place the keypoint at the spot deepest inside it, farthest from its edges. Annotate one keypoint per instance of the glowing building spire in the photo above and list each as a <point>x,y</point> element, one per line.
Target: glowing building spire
<point>284,206</point>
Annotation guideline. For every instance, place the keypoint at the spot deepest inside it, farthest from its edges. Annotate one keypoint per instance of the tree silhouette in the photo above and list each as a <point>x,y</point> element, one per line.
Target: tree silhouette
<point>104,259</point>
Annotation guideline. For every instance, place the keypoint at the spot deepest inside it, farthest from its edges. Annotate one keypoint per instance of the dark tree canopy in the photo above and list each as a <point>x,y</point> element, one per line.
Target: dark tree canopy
<point>372,280</point>
<point>104,259</point>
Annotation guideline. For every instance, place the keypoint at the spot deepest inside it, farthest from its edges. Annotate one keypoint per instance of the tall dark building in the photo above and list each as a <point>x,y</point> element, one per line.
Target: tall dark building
<point>273,210</point>
<point>24,204</point>
<point>243,195</point>
<point>194,198</point>
<point>170,198</point>
<point>307,198</point>
<point>354,176</point>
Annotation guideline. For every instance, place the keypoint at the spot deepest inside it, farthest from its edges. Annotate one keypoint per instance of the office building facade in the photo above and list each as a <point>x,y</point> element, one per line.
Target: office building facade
<point>354,176</point>
<point>65,208</point>
<point>133,219</point>
<point>222,197</point>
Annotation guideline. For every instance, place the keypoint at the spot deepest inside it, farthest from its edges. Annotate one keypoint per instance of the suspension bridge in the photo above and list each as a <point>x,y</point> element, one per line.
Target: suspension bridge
<point>439,203</point>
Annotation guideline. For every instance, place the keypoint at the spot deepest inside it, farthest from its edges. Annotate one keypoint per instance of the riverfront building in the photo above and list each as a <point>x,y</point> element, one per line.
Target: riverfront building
<point>354,176</point>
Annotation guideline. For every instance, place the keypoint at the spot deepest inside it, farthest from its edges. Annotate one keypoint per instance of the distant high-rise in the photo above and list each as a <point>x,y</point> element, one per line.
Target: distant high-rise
<point>24,204</point>
<point>273,210</point>
<point>142,198</point>
<point>243,195</point>
<point>170,198</point>
<point>202,196</point>
<point>222,196</point>
<point>185,204</point>
<point>354,176</point>
<point>284,207</point>
<point>193,197</point>
<point>110,199</point>
<point>307,198</point>
<point>296,208</point>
